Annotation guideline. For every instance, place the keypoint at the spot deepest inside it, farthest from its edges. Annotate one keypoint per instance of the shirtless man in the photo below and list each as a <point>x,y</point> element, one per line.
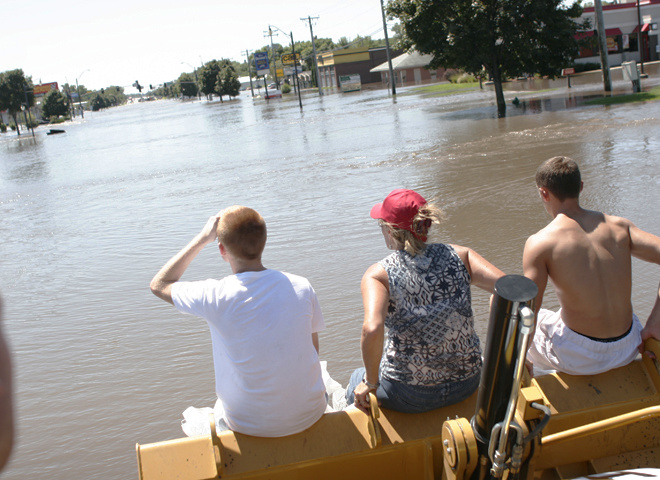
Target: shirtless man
<point>587,256</point>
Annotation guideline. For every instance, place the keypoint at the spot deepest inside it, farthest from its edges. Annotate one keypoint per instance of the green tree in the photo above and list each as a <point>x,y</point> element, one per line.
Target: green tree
<point>187,85</point>
<point>507,38</point>
<point>98,103</point>
<point>14,86</point>
<point>208,77</point>
<point>228,82</point>
<point>54,104</point>
<point>114,96</point>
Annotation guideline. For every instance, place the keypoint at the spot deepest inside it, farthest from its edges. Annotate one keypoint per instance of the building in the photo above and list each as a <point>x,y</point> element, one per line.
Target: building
<point>622,22</point>
<point>351,61</point>
<point>410,69</point>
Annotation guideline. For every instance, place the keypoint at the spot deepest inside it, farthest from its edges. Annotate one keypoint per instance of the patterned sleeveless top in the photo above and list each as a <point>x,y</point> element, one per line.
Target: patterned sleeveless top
<point>431,338</point>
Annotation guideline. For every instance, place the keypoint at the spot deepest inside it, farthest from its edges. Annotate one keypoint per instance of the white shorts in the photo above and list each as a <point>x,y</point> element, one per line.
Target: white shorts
<point>555,347</point>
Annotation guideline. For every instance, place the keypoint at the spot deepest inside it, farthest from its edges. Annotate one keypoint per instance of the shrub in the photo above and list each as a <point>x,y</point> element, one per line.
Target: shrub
<point>450,74</point>
<point>31,121</point>
<point>3,127</point>
<point>286,88</point>
<point>464,78</point>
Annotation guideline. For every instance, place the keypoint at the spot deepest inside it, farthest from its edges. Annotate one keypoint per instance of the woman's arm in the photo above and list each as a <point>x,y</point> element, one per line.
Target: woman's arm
<point>375,297</point>
<point>483,273</point>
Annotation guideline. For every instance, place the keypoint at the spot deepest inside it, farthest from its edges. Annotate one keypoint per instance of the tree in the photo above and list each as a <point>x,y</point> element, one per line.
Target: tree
<point>187,85</point>
<point>208,77</point>
<point>54,104</point>
<point>507,38</point>
<point>228,82</point>
<point>98,103</point>
<point>14,87</point>
<point>113,96</point>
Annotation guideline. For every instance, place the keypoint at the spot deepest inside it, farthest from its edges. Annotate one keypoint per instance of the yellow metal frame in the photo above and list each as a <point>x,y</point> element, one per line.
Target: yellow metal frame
<point>599,423</point>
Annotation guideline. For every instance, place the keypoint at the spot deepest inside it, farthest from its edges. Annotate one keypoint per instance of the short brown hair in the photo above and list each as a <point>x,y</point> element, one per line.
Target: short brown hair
<point>561,176</point>
<point>242,231</point>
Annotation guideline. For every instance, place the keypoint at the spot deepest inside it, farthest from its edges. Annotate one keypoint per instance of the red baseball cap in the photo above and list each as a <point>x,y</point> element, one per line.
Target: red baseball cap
<point>399,208</point>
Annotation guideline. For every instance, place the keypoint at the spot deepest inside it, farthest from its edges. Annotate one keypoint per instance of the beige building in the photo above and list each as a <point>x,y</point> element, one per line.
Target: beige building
<point>410,69</point>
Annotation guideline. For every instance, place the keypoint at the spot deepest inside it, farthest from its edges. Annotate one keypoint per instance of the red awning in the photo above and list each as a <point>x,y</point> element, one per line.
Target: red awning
<point>645,28</point>
<point>612,32</point>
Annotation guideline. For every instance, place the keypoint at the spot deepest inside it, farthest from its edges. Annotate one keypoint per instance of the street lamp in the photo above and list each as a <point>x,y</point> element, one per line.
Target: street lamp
<point>196,80</point>
<point>82,114</point>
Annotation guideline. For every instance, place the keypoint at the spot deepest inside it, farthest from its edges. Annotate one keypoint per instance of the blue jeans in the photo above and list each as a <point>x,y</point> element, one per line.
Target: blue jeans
<point>415,398</point>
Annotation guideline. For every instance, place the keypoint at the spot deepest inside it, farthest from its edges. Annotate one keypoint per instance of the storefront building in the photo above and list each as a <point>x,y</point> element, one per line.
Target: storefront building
<point>622,24</point>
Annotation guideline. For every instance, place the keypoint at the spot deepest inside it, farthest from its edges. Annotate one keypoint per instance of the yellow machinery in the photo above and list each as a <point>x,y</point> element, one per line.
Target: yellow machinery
<point>550,427</point>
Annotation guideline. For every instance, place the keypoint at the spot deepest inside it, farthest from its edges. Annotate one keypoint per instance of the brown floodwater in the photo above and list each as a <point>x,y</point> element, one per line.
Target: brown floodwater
<point>89,216</point>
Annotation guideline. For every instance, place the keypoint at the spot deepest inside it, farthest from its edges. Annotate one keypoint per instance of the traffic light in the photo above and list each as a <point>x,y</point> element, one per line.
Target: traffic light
<point>102,91</point>
<point>138,86</point>
<point>151,87</point>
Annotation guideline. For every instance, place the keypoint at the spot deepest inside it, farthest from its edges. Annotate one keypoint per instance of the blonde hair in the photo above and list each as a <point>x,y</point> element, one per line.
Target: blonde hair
<point>427,215</point>
<point>242,231</point>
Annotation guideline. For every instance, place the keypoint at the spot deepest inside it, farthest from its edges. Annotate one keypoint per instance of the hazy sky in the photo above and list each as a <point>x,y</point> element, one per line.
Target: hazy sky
<point>105,43</point>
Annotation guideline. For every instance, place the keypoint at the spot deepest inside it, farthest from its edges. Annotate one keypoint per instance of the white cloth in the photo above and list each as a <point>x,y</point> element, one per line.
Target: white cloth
<point>196,420</point>
<point>555,347</point>
<point>267,371</point>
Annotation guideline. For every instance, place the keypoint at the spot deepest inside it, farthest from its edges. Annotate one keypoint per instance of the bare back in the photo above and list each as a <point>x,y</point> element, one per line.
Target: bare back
<point>587,257</point>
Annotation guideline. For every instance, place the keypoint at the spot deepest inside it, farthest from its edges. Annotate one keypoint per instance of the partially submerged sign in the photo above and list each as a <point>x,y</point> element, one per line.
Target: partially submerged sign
<point>261,63</point>
<point>350,83</point>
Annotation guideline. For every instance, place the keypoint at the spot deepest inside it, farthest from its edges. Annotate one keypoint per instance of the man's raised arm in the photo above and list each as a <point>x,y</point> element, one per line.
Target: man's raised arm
<point>172,271</point>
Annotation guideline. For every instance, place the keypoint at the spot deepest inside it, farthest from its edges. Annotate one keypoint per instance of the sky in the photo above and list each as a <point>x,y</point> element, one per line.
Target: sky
<point>105,43</point>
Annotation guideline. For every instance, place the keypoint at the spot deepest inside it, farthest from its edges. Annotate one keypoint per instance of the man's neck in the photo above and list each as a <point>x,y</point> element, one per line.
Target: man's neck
<point>242,266</point>
<point>569,207</point>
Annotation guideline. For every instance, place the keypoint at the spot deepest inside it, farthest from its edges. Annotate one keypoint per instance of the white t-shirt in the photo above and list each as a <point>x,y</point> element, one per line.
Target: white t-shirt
<point>267,371</point>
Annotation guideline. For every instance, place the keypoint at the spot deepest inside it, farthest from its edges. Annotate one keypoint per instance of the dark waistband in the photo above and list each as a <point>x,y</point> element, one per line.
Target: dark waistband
<point>606,340</point>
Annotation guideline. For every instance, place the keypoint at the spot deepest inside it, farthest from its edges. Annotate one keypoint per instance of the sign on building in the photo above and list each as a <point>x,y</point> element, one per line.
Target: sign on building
<point>44,88</point>
<point>350,83</point>
<point>261,63</point>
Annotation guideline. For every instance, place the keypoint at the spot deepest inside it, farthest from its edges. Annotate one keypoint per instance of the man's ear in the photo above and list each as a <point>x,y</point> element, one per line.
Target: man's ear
<point>581,186</point>
<point>544,193</point>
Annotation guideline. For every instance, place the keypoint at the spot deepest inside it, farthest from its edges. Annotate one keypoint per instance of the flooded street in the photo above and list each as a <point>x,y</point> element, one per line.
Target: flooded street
<point>89,216</point>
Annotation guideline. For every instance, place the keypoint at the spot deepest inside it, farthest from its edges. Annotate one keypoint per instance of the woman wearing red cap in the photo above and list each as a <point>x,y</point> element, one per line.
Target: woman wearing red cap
<point>421,293</point>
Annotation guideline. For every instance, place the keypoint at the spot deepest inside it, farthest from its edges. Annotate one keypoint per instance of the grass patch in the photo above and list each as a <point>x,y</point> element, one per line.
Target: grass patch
<point>653,94</point>
<point>444,88</point>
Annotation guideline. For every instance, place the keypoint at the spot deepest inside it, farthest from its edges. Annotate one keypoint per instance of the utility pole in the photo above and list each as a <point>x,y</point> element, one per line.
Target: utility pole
<point>272,52</point>
<point>316,63</point>
<point>387,47</point>
<point>295,66</point>
<point>602,44</point>
<point>639,37</point>
<point>27,107</point>
<point>247,56</point>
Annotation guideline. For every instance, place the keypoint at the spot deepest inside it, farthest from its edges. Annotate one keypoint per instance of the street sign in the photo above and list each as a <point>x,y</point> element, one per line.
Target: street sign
<point>261,63</point>
<point>287,59</point>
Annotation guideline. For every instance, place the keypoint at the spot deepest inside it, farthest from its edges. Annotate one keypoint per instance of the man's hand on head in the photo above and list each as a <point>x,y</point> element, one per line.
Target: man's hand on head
<point>209,232</point>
